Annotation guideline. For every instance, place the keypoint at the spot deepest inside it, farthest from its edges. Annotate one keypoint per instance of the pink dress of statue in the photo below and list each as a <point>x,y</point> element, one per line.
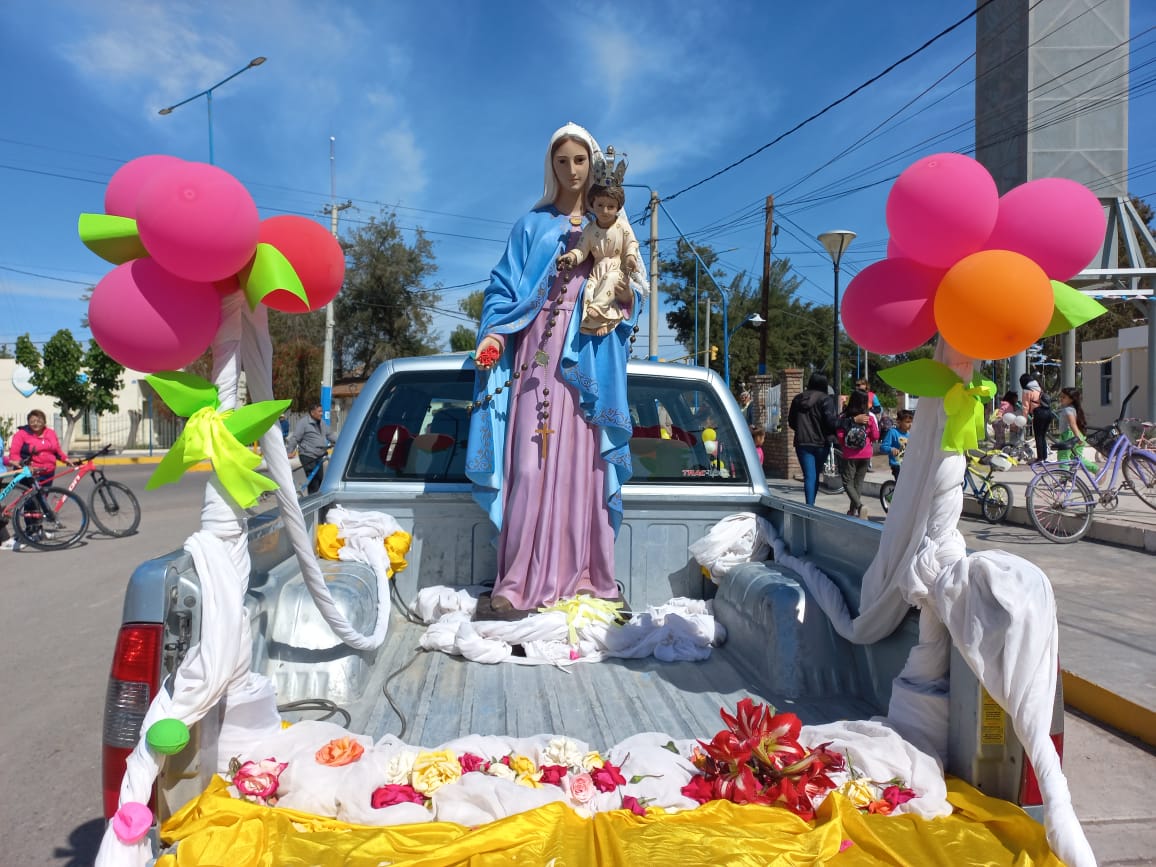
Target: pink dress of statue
<point>556,536</point>
<point>557,539</point>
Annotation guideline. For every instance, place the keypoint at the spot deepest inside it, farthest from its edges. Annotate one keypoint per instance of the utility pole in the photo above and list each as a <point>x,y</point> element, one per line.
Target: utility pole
<point>653,275</point>
<point>765,311</point>
<point>333,209</point>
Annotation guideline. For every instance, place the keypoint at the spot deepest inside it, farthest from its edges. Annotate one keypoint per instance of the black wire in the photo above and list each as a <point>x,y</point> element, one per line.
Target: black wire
<point>838,101</point>
<point>309,704</point>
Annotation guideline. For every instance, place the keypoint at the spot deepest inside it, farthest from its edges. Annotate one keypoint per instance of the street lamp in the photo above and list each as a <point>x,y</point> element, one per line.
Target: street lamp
<point>208,94</point>
<point>836,243</point>
<point>752,319</point>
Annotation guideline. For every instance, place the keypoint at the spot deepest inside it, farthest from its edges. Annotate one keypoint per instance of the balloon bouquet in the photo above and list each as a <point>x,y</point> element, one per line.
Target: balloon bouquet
<point>197,267</point>
<point>986,272</point>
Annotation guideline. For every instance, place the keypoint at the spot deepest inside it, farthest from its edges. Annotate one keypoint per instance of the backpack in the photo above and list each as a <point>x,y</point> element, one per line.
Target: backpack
<point>855,437</point>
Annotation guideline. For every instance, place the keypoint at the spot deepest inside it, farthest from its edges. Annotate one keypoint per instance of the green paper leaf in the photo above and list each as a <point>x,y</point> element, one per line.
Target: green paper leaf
<point>183,393</point>
<point>114,239</point>
<point>922,377</point>
<point>268,272</point>
<point>249,422</point>
<point>1073,308</point>
<point>669,745</point>
<point>173,465</point>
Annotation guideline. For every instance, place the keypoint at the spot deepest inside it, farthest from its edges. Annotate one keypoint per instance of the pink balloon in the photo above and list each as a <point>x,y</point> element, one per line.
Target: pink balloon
<point>889,306</point>
<point>148,319</point>
<point>893,251</point>
<point>123,189</point>
<point>198,222</point>
<point>1055,221</point>
<point>942,208</point>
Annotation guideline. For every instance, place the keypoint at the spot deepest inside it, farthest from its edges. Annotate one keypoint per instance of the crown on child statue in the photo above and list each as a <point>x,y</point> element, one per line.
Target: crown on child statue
<point>609,168</point>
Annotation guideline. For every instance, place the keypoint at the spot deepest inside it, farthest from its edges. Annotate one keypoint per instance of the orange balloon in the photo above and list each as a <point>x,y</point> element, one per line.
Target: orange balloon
<point>993,304</point>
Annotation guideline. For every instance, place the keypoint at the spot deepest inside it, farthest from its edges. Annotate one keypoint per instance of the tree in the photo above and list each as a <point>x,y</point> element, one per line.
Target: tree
<point>298,356</point>
<point>464,338</point>
<point>5,352</point>
<point>383,311</point>
<point>81,381</point>
<point>799,333</point>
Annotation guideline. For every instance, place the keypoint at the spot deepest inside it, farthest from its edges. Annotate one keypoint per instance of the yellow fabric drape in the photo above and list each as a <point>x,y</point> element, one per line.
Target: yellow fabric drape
<point>217,830</point>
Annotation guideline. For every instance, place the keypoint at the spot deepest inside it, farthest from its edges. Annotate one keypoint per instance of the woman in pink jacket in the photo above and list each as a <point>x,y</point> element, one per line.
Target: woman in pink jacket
<point>857,434</point>
<point>37,443</point>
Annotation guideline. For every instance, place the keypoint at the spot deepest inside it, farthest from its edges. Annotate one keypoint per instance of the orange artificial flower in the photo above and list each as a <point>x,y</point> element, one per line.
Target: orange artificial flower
<point>882,807</point>
<point>340,751</point>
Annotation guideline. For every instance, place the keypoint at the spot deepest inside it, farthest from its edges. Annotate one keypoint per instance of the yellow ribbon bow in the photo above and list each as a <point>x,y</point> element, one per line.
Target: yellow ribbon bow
<point>205,438</point>
<point>583,611</point>
<point>963,406</point>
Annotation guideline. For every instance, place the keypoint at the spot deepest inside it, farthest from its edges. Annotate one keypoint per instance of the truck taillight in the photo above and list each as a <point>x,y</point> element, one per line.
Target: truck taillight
<point>132,683</point>
<point>1030,795</point>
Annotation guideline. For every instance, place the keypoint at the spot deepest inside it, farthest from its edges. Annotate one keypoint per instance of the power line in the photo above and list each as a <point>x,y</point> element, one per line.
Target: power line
<point>838,101</point>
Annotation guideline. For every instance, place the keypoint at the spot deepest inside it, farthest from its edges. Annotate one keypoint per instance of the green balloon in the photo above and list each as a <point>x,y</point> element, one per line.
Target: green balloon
<point>168,736</point>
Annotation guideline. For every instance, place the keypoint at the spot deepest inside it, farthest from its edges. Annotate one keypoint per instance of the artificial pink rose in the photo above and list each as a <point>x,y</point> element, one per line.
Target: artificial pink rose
<point>608,778</point>
<point>580,788</point>
<point>553,774</point>
<point>896,795</point>
<point>259,779</point>
<point>629,802</point>
<point>387,796</point>
<point>471,762</point>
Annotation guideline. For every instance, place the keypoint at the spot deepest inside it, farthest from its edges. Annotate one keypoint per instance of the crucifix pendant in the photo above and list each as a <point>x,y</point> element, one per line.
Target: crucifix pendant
<point>542,433</point>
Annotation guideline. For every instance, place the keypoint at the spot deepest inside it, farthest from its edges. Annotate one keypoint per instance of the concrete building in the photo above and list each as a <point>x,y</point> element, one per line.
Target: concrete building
<point>1124,365</point>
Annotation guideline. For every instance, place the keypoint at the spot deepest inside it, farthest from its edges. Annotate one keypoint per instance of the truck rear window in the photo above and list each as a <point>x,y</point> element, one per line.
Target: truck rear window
<point>418,430</point>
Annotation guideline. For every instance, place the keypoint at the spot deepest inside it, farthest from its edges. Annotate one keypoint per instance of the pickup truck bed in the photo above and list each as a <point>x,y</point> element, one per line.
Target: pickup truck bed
<point>446,697</point>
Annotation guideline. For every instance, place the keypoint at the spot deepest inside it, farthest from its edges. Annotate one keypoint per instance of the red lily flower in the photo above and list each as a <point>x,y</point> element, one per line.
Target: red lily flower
<point>751,720</point>
<point>725,747</point>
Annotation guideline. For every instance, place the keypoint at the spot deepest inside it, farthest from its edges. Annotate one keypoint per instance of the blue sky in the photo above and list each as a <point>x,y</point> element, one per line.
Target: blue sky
<point>442,111</point>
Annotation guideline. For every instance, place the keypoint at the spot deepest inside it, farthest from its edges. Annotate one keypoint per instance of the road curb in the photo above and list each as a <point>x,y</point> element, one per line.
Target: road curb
<point>145,460</point>
<point>1102,530</point>
<point>1113,710</point>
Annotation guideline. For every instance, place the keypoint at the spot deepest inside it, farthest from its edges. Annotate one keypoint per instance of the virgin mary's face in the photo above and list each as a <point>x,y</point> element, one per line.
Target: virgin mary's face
<point>571,166</point>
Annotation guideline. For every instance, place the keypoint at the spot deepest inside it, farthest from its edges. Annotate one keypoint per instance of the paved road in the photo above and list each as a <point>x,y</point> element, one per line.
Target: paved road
<point>58,627</point>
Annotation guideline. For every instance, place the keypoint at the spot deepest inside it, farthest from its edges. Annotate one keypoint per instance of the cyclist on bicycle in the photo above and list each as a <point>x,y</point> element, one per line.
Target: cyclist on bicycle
<point>36,444</point>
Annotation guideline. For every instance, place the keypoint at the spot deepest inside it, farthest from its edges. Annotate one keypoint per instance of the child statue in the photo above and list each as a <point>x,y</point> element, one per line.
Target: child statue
<point>611,243</point>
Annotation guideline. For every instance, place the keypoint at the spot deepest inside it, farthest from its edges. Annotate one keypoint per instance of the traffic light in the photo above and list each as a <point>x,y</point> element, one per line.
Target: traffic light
<point>713,352</point>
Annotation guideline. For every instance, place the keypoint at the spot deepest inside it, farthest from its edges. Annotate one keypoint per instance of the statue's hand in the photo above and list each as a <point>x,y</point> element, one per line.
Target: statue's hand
<point>488,352</point>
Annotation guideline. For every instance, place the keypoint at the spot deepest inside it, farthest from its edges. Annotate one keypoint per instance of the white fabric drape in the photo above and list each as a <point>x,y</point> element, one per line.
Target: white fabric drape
<point>998,609</point>
<point>218,667</point>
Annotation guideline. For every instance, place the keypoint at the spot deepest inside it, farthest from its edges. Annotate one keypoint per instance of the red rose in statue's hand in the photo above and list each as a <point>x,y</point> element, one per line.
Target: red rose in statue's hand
<point>487,357</point>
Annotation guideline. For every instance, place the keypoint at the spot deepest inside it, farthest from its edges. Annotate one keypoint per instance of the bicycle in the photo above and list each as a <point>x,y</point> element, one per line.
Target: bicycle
<point>1060,498</point>
<point>995,498</point>
<point>43,517</point>
<point>113,507</point>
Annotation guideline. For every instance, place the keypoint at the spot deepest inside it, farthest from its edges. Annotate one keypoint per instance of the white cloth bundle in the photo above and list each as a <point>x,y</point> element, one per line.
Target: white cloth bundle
<point>736,539</point>
<point>681,629</point>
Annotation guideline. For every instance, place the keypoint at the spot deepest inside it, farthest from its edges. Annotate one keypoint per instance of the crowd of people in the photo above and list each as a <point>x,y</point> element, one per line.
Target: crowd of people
<point>859,429</point>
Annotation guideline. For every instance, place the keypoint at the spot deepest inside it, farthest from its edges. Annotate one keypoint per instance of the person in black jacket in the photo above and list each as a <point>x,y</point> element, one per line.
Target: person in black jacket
<point>813,417</point>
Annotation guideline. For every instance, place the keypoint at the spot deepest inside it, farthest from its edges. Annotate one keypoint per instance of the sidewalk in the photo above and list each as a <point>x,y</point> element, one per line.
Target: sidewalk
<point>1108,667</point>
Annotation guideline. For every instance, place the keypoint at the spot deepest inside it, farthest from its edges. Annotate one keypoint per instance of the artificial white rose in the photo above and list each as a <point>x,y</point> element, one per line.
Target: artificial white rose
<point>399,768</point>
<point>505,772</point>
<point>562,751</point>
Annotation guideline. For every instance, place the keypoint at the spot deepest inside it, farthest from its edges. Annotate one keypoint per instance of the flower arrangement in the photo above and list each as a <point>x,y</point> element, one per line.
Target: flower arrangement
<point>413,777</point>
<point>757,759</point>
